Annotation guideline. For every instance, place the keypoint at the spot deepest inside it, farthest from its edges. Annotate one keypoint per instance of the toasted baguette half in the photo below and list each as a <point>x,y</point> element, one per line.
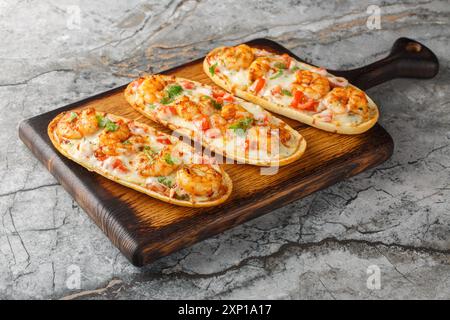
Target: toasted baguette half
<point>240,83</point>
<point>187,113</point>
<point>87,149</point>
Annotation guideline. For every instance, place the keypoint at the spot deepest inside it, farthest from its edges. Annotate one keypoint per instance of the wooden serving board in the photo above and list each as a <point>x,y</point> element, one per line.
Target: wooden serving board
<point>145,229</point>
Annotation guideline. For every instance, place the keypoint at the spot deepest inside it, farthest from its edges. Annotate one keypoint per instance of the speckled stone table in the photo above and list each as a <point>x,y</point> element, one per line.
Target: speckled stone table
<point>395,217</point>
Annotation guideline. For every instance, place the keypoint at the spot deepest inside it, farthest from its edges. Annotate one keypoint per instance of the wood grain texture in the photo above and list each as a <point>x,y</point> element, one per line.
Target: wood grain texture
<point>145,229</point>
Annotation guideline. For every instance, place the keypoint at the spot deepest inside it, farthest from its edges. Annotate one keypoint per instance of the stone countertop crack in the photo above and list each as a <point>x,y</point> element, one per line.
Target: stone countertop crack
<point>25,82</point>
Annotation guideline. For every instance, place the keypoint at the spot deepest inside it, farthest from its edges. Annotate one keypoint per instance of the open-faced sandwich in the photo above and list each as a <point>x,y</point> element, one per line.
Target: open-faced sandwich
<point>227,125</point>
<point>294,89</point>
<point>137,156</point>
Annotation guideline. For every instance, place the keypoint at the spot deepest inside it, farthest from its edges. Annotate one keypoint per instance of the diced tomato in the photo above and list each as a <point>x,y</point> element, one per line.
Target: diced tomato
<point>118,164</point>
<point>310,105</point>
<point>302,102</point>
<point>298,97</point>
<point>218,93</point>
<point>100,155</point>
<point>276,90</point>
<point>172,110</point>
<point>228,97</point>
<point>163,140</point>
<point>260,83</point>
<point>222,96</point>
<point>202,123</point>
<point>188,85</point>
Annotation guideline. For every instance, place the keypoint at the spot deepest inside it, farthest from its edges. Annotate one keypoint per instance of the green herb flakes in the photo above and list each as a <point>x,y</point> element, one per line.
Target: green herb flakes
<point>104,122</point>
<point>242,124</point>
<point>212,69</point>
<point>165,181</point>
<point>277,75</point>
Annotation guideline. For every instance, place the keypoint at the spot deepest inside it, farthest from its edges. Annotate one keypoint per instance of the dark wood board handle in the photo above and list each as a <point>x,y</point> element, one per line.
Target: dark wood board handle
<point>408,59</point>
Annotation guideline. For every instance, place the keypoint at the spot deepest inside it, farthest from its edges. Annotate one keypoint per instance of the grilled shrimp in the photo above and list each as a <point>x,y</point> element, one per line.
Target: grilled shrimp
<point>259,137</point>
<point>76,125</point>
<point>284,133</point>
<point>259,68</point>
<point>348,99</point>
<point>151,89</point>
<point>238,57</point>
<point>111,142</point>
<point>313,85</point>
<point>234,111</point>
<point>217,121</point>
<point>156,164</point>
<point>186,108</point>
<point>199,180</point>
<point>206,105</point>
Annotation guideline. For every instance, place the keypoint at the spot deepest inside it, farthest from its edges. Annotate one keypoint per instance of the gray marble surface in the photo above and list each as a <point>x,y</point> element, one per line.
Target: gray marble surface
<point>396,217</point>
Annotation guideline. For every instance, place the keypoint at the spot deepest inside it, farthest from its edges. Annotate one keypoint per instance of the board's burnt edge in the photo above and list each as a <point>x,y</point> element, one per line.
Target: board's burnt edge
<point>128,244</point>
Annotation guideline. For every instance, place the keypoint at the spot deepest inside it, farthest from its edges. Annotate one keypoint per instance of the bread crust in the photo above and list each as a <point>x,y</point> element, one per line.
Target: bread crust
<point>227,180</point>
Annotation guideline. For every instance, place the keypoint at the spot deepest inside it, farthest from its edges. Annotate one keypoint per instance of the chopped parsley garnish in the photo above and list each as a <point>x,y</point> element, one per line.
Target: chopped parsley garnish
<point>151,106</point>
<point>127,142</point>
<point>166,100</point>
<point>216,105</point>
<point>165,181</point>
<point>169,159</point>
<point>242,124</point>
<point>171,93</point>
<point>212,69</point>
<point>175,90</point>
<point>279,74</point>
<point>285,92</point>
<point>280,65</point>
<point>111,126</point>
<point>104,122</point>
<point>73,116</point>
<point>295,68</point>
